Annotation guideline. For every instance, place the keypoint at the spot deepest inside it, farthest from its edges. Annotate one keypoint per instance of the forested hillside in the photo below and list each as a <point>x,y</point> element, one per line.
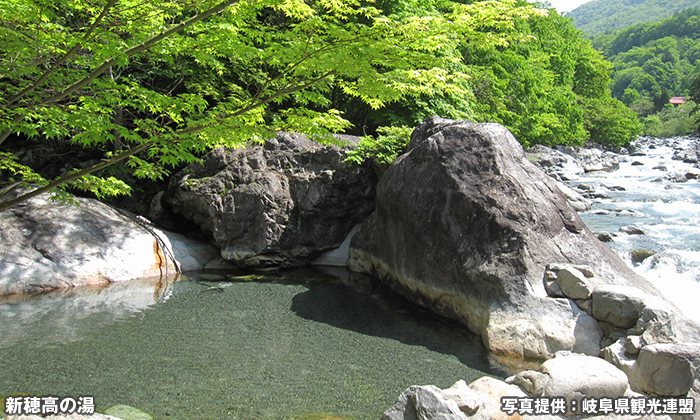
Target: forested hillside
<point>653,62</point>
<point>551,89</point>
<point>600,16</point>
<point>153,85</point>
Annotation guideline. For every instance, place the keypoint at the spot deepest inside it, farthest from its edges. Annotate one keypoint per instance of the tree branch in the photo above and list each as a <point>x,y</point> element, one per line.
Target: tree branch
<point>65,57</point>
<point>138,49</point>
<point>73,176</point>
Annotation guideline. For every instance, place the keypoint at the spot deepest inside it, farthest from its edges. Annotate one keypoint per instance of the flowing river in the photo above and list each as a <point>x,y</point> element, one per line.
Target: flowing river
<point>232,347</point>
<point>645,192</point>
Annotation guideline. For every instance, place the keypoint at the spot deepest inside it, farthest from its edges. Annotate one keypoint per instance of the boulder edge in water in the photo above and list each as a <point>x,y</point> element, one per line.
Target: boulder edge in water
<point>465,225</point>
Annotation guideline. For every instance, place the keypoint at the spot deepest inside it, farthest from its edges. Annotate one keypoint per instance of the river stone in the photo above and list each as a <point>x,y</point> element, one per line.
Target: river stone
<point>604,237</point>
<point>491,390</point>
<point>48,245</point>
<point>617,355</point>
<point>557,164</point>
<point>594,159</point>
<point>633,343</point>
<point>639,255</point>
<point>278,204</point>
<point>127,412</point>
<point>424,403</point>
<point>467,399</point>
<point>577,201</point>
<point>531,381</point>
<point>618,305</point>
<point>675,177</point>
<point>573,283</point>
<point>632,230</point>
<point>575,376</point>
<point>465,225</point>
<point>668,369</point>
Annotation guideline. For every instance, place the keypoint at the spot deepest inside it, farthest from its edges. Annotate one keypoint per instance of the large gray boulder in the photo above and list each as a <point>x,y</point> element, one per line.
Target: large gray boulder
<point>277,204</point>
<point>465,225</point>
<point>47,245</point>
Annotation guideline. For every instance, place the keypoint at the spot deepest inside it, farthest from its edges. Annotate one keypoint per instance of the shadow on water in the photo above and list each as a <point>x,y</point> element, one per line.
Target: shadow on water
<point>226,345</point>
<point>382,313</point>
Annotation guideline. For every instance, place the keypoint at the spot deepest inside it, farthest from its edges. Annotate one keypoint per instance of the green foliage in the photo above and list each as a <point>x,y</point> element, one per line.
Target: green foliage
<point>384,149</point>
<point>609,121</point>
<point>545,90</point>
<point>161,82</point>
<point>652,63</point>
<point>651,58</point>
<point>672,121</point>
<point>598,16</point>
<point>18,172</point>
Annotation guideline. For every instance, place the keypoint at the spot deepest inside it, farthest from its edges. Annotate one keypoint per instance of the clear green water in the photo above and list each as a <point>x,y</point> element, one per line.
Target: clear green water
<point>285,345</point>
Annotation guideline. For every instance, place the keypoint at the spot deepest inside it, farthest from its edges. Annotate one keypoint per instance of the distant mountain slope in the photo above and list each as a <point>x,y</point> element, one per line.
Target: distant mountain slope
<point>653,62</point>
<point>601,15</point>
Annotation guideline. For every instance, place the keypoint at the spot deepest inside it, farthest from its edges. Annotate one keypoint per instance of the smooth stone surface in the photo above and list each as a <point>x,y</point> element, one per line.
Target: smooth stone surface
<point>48,245</point>
<point>573,283</point>
<point>618,305</point>
<point>668,369</point>
<point>577,376</point>
<point>465,225</point>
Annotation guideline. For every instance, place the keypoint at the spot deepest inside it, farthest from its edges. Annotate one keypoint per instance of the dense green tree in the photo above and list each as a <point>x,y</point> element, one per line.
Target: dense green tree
<point>544,89</point>
<point>157,83</point>
<point>599,16</point>
<point>653,62</point>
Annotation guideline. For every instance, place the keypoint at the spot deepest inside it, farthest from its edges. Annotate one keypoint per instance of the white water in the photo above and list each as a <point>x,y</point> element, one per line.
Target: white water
<point>668,212</point>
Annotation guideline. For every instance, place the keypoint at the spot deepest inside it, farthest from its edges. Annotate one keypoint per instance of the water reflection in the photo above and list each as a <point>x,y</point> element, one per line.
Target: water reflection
<point>67,315</point>
<point>225,345</point>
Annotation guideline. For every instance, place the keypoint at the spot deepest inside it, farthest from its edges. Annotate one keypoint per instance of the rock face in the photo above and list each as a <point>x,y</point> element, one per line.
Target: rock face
<point>47,245</point>
<point>556,164</point>
<point>277,204</point>
<point>465,224</point>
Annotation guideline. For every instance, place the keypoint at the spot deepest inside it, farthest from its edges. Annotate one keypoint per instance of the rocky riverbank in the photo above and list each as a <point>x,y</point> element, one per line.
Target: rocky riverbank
<point>464,224</point>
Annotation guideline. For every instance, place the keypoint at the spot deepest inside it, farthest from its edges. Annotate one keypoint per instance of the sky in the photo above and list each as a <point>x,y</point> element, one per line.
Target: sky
<point>566,5</point>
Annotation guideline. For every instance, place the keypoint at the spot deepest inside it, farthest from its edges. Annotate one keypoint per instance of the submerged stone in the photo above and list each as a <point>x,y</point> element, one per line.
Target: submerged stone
<point>126,412</point>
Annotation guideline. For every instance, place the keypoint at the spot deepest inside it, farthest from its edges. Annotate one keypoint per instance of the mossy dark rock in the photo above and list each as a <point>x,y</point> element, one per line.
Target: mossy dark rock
<point>639,255</point>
